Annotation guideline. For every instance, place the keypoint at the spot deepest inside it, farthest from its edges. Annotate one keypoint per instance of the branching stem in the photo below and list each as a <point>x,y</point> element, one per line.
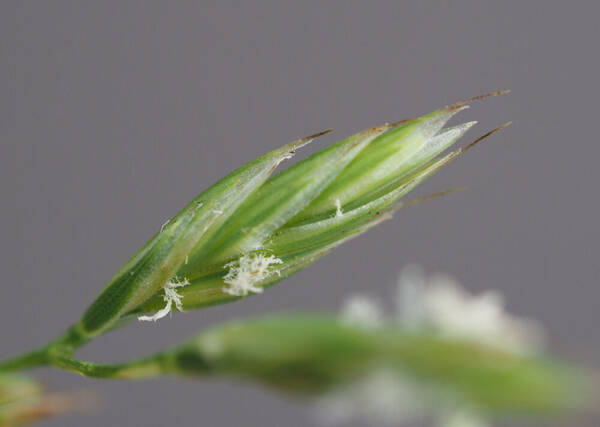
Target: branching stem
<point>59,354</point>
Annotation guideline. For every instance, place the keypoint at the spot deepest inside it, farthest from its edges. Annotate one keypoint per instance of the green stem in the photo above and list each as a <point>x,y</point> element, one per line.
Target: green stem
<point>24,361</point>
<point>135,369</point>
<point>58,354</point>
<point>65,344</point>
<point>61,359</point>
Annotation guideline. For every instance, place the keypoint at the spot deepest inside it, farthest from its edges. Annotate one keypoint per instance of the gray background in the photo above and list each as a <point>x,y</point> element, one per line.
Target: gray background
<point>114,114</point>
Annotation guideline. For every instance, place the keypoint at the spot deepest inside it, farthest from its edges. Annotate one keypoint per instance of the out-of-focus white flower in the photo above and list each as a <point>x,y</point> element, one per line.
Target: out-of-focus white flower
<point>382,398</point>
<point>437,305</point>
<point>463,418</point>
<point>385,398</point>
<point>411,286</point>
<point>443,306</point>
<point>360,310</point>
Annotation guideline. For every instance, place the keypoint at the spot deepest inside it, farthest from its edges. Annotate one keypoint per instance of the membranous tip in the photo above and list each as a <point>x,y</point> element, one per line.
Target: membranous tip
<point>431,124</point>
<point>444,138</point>
<point>440,162</point>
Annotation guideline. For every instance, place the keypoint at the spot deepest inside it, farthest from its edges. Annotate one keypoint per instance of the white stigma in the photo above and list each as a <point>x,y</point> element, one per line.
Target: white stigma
<point>338,208</point>
<point>171,297</point>
<point>248,272</point>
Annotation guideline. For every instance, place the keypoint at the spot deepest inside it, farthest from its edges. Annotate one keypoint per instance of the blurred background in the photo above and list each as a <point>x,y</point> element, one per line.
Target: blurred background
<point>114,114</point>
